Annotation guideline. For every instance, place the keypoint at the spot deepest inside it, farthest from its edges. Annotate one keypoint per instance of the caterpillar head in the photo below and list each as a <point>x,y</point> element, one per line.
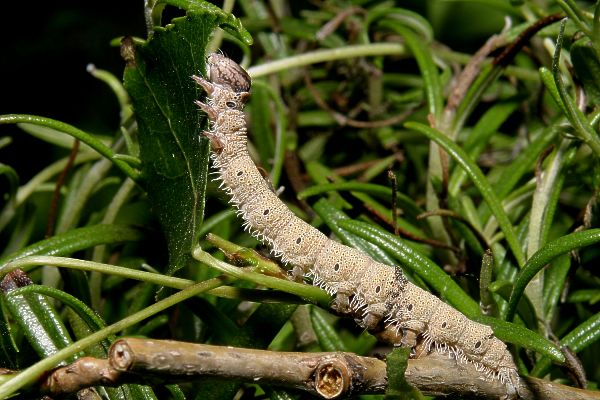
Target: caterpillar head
<point>226,72</point>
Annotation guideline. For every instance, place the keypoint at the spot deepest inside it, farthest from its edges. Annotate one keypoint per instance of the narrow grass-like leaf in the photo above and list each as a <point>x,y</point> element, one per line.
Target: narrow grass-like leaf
<point>575,116</point>
<point>524,162</point>
<point>479,180</point>
<point>578,339</point>
<point>550,84</point>
<point>81,309</point>
<point>328,337</point>
<point>309,292</point>
<point>519,335</point>
<point>403,16</point>
<point>398,387</point>
<point>429,71</point>
<point>478,138</point>
<point>85,137</point>
<point>259,107</point>
<point>77,239</point>
<point>543,256</point>
<point>485,279</point>
<point>485,78</point>
<point>32,373</point>
<point>13,180</point>
<point>587,66</point>
<point>555,279</point>
<point>36,317</point>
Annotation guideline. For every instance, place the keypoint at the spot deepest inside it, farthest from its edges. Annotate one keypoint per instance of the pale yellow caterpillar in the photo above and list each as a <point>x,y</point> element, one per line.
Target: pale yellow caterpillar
<point>375,294</point>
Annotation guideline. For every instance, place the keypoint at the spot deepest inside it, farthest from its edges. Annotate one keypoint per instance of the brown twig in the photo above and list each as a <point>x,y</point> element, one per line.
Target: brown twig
<point>469,73</point>
<point>407,234</point>
<point>511,50</point>
<point>332,25</point>
<point>361,166</point>
<point>330,375</point>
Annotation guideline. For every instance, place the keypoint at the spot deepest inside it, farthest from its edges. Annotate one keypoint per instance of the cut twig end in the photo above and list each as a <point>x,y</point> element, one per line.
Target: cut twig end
<point>332,379</point>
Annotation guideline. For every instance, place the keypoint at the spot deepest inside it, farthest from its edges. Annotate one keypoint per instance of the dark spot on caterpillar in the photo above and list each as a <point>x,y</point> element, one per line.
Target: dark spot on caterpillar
<point>445,324</point>
<point>299,240</point>
<point>336,267</point>
<point>240,173</point>
<point>230,104</point>
<point>378,289</point>
<point>478,344</point>
<point>409,307</point>
<point>266,212</point>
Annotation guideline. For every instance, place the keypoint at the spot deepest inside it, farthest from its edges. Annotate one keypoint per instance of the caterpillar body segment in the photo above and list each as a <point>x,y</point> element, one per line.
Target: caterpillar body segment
<point>373,293</point>
<point>301,243</point>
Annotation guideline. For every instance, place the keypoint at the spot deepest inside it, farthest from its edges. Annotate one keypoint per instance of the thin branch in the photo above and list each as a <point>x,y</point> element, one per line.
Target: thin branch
<point>330,375</point>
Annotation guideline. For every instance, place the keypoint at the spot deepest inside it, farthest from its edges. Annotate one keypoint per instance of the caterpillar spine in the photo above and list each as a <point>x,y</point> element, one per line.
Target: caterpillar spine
<point>374,294</point>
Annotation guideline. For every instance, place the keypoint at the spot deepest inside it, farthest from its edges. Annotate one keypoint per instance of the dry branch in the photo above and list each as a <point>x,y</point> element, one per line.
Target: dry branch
<point>330,375</point>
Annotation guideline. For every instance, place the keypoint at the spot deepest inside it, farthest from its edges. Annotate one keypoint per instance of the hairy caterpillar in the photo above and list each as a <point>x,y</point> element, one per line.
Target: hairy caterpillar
<point>373,293</point>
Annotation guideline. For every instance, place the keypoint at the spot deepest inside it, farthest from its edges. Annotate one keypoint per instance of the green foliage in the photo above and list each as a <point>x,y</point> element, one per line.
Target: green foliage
<point>502,157</point>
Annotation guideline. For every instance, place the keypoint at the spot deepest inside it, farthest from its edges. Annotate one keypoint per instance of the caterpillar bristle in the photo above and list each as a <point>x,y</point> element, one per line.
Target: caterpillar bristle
<point>374,294</point>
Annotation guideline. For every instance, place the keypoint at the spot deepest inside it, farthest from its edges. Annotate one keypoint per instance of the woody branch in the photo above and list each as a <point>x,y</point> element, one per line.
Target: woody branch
<point>329,375</point>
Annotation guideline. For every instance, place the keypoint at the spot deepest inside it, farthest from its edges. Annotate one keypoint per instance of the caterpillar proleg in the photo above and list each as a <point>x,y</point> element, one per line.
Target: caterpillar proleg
<point>374,294</point>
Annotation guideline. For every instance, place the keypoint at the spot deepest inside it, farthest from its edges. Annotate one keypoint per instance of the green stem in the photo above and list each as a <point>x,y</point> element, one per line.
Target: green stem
<point>31,374</point>
<point>322,55</point>
<point>312,293</point>
<point>76,133</point>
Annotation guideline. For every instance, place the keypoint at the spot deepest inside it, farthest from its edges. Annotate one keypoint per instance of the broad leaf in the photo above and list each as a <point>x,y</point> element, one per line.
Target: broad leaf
<point>174,155</point>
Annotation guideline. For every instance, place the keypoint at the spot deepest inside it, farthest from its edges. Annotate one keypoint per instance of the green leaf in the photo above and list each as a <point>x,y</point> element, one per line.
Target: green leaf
<point>174,155</point>
<point>13,180</point>
<point>424,57</point>
<point>478,138</point>
<point>582,128</point>
<point>586,64</point>
<point>327,335</point>
<point>36,317</point>
<point>519,335</point>
<point>81,309</point>
<point>332,217</point>
<point>225,20</point>
<point>542,257</point>
<point>75,240</point>
<point>77,133</point>
<point>578,339</point>
<point>398,387</point>
<point>261,111</point>
<point>479,180</point>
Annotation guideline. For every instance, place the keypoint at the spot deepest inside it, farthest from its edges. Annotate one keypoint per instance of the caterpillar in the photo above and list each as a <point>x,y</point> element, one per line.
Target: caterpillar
<point>374,294</point>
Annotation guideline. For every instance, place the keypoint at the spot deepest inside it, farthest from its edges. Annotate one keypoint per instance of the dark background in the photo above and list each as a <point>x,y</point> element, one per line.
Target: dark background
<point>45,51</point>
<point>47,46</point>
